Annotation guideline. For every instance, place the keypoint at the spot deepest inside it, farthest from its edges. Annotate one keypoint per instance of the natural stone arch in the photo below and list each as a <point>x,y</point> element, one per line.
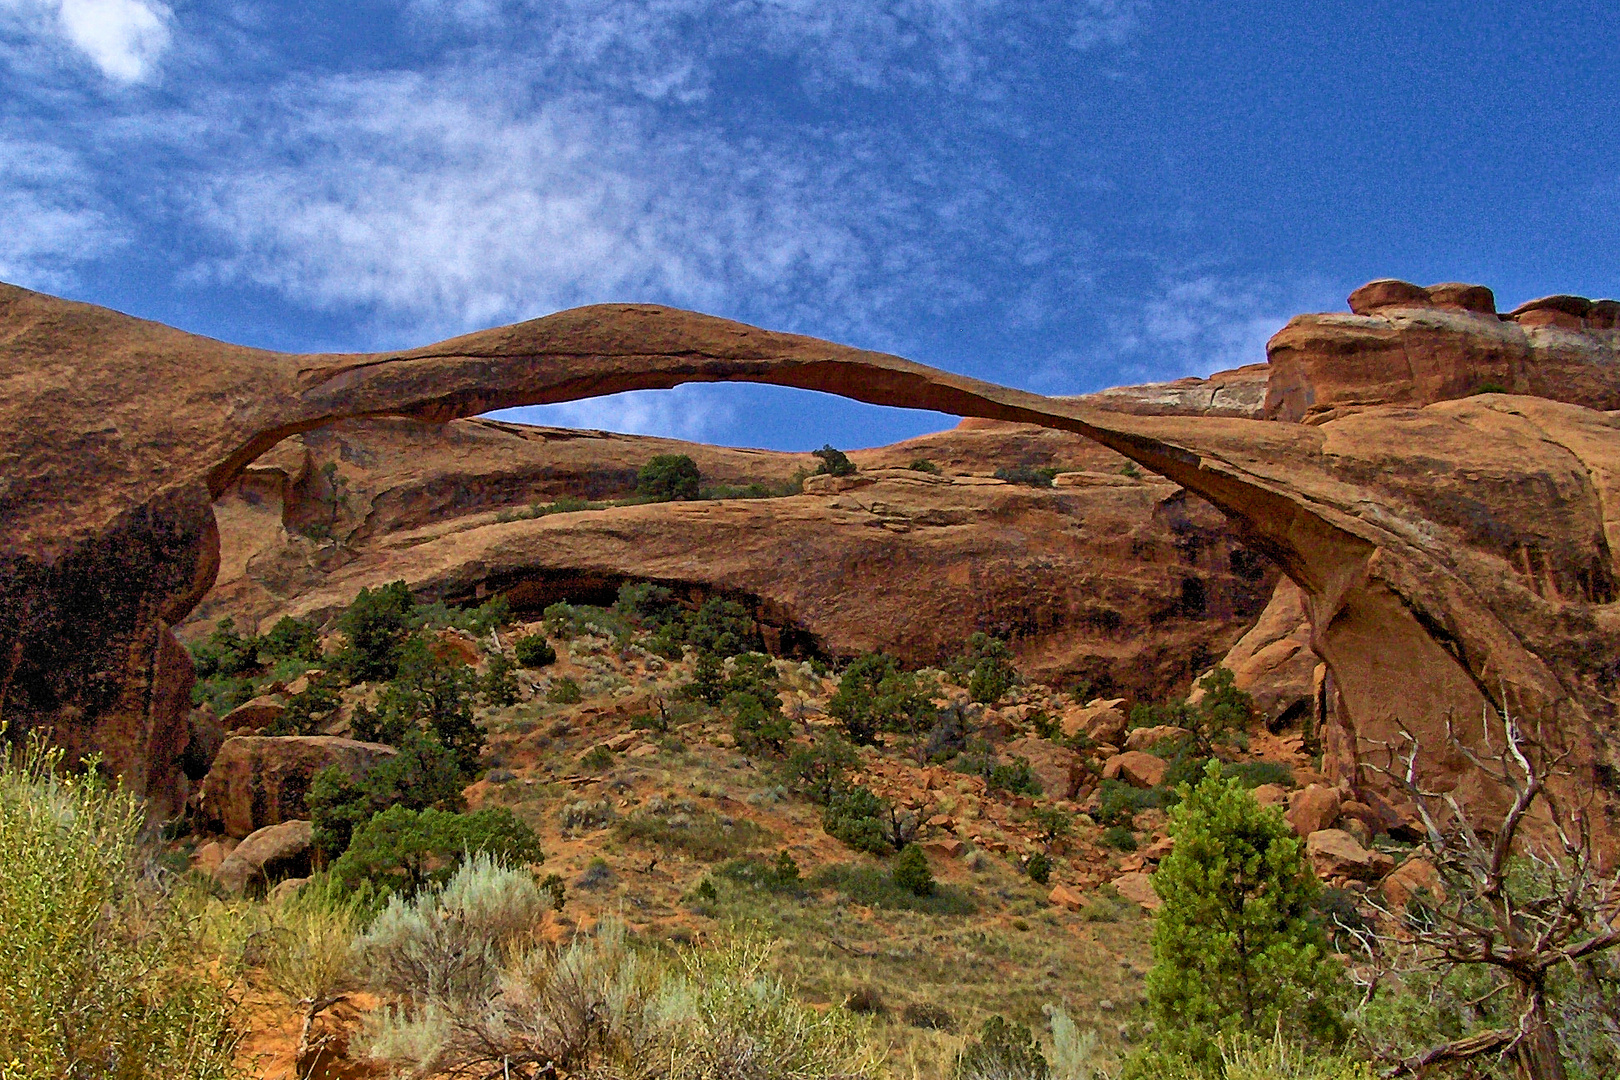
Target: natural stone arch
<point>121,431</point>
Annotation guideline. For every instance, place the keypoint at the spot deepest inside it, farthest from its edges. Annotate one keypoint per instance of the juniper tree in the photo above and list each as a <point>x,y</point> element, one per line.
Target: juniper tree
<point>1235,948</point>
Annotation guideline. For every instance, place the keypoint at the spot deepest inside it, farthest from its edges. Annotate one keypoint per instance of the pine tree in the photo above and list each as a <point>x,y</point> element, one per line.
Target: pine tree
<point>1235,949</point>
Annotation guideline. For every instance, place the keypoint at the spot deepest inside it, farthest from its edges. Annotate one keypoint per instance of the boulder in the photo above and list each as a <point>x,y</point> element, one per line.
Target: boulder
<point>205,735</point>
<point>1136,768</point>
<point>260,780</point>
<point>268,854</point>
<point>1137,887</point>
<point>946,848</point>
<point>1101,721</point>
<point>1313,809</point>
<point>1375,296</point>
<point>1414,876</point>
<point>1455,294</point>
<point>208,856</point>
<point>1052,764</point>
<point>1149,737</point>
<point>1274,662</point>
<point>1160,847</point>
<point>259,712</point>
<point>1271,795</point>
<point>1334,853</point>
<point>1063,896</point>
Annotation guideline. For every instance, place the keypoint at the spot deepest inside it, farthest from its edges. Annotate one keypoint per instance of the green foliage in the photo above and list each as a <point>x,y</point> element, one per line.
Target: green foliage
<point>1236,949</point>
<point>875,695</point>
<point>1252,774</point>
<point>225,652</point>
<point>429,692</point>
<point>753,725</point>
<point>1001,1051</point>
<point>817,770</point>
<point>723,627</point>
<point>423,774</point>
<point>562,620</point>
<point>311,708</point>
<point>669,476</point>
<point>708,678</point>
<point>499,684</point>
<point>922,464</point>
<point>1054,823</point>
<point>534,651</point>
<point>564,691</point>
<point>1015,776</point>
<point>647,604</point>
<point>404,850</point>
<point>98,972</point>
<point>985,668</point>
<point>911,871</point>
<point>1027,475</point>
<point>1118,803</point>
<point>702,834</point>
<point>292,639</point>
<point>1039,868</point>
<point>874,886</point>
<point>779,875</point>
<point>377,625</point>
<point>1119,837</point>
<point>859,818</point>
<point>833,462</point>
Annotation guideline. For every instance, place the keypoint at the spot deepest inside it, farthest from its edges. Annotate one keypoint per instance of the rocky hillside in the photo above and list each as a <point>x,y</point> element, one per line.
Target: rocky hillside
<point>1108,575</point>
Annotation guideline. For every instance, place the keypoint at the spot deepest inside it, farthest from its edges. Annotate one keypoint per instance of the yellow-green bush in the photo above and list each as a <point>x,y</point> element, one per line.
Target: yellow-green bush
<point>96,959</point>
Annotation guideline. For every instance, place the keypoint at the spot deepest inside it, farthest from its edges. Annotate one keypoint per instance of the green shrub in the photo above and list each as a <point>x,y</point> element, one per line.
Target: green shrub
<point>833,462</point>
<point>499,684</point>
<point>875,695</point>
<point>647,604</point>
<point>404,850</point>
<point>423,774</point>
<point>922,464</point>
<point>1039,868</point>
<point>309,710</point>
<point>817,770</point>
<point>874,886</point>
<point>1119,837</point>
<point>1252,774</point>
<point>1236,950</point>
<point>597,759</point>
<point>911,871</point>
<point>292,639</point>
<point>377,625</point>
<point>985,668</point>
<point>1027,475</point>
<point>564,691</point>
<point>780,875</point>
<point>1001,1051</point>
<point>669,476</point>
<point>100,971</point>
<point>859,818</point>
<point>225,652</point>
<point>606,1008</point>
<point>1118,803</point>
<point>1015,776</point>
<point>702,834</point>
<point>534,651</point>
<point>425,693</point>
<point>723,627</point>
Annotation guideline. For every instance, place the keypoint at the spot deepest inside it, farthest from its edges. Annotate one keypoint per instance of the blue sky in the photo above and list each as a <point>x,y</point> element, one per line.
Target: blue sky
<point>1056,195</point>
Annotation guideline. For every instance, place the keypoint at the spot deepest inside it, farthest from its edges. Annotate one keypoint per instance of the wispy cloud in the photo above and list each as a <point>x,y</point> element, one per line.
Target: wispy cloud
<point>122,38</point>
<point>50,217</point>
<point>687,412</point>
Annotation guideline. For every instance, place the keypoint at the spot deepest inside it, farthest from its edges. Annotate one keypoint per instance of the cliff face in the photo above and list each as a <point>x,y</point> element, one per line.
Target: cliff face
<point>1111,575</point>
<point>1451,550</point>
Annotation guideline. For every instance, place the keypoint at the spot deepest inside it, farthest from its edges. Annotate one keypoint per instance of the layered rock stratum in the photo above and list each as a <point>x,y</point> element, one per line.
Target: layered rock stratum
<point>1438,480</point>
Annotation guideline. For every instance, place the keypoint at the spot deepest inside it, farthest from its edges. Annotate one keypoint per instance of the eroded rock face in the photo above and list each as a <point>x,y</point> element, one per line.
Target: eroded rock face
<point>1131,584</point>
<point>1453,550</point>
<point>262,780</point>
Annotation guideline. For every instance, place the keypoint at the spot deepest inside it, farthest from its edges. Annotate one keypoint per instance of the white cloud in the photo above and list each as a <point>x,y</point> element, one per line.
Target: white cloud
<point>123,38</point>
<point>687,412</point>
<point>439,205</point>
<point>49,216</point>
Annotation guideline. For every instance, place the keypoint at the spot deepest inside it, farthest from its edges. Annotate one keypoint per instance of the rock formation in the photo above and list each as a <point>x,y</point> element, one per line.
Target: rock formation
<point>1454,551</point>
<point>1111,575</point>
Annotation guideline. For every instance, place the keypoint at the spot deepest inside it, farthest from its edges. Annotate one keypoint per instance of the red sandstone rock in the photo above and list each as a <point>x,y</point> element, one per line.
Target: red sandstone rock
<point>1138,888</point>
<point>1149,737</point>
<point>267,854</point>
<point>1455,294</point>
<point>1271,795</point>
<point>1102,721</point>
<point>1375,296</point>
<point>1335,853</point>
<point>1414,876</point>
<point>251,715</point>
<point>1313,809</point>
<point>1136,768</point>
<point>1274,662</point>
<point>1063,896</point>
<point>262,780</point>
